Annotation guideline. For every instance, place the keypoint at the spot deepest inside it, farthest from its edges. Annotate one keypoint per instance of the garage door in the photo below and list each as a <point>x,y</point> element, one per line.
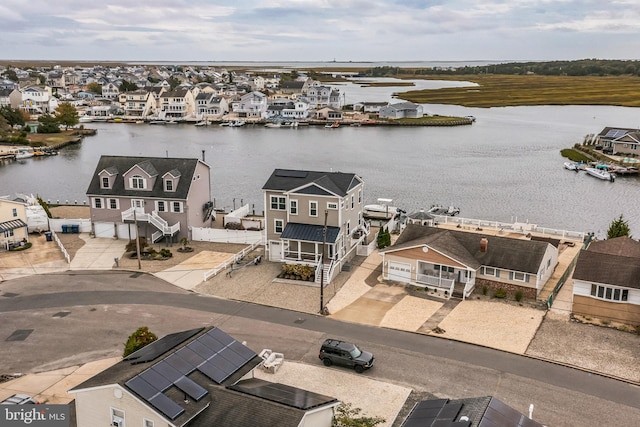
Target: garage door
<point>104,229</point>
<point>399,272</point>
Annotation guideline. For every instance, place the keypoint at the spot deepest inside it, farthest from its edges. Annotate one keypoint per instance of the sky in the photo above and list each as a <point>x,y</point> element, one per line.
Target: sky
<point>319,30</point>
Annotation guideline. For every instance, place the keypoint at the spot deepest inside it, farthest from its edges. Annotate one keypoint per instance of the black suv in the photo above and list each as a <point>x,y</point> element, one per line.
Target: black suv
<point>345,353</point>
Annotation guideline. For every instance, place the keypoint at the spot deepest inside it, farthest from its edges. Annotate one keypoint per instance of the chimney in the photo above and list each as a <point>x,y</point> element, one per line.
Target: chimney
<point>483,244</point>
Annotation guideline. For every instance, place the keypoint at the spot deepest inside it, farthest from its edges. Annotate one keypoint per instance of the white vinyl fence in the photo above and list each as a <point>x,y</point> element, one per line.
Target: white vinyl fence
<point>200,234</point>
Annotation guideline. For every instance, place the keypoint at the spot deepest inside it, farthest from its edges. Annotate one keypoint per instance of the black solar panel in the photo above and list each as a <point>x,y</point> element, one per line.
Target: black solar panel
<point>425,413</point>
<point>212,371</point>
<point>284,394</point>
<point>179,364</point>
<point>190,356</point>
<point>156,380</point>
<point>212,344</point>
<point>142,387</point>
<point>284,173</point>
<point>232,357</point>
<point>499,414</point>
<point>201,350</point>
<point>159,347</point>
<point>167,371</point>
<point>191,388</point>
<point>244,351</point>
<point>167,406</point>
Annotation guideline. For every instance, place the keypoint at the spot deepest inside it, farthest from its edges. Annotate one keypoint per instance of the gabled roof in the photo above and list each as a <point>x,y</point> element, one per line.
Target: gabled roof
<point>613,262</point>
<point>502,252</point>
<point>152,165</point>
<point>338,183</point>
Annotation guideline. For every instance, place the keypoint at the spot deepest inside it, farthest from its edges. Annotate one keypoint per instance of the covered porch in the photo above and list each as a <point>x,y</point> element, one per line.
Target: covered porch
<point>445,277</point>
<point>302,243</point>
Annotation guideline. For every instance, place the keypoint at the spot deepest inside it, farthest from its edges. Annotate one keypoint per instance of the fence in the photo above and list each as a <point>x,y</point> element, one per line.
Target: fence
<point>83,225</point>
<point>200,234</point>
<point>566,273</point>
<point>61,246</point>
<point>229,261</point>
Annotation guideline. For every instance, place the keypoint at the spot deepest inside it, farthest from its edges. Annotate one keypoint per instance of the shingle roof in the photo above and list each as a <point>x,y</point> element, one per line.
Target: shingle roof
<point>338,183</point>
<point>502,252</point>
<point>153,166</point>
<point>309,233</point>
<point>613,261</point>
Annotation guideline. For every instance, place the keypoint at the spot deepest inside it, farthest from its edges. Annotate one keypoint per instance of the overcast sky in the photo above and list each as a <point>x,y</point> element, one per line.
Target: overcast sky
<point>319,30</point>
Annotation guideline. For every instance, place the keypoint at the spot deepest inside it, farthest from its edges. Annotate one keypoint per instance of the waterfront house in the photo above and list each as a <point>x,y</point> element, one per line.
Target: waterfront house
<point>137,103</point>
<point>176,104</point>
<point>164,196</point>
<point>329,114</point>
<point>620,140</point>
<point>459,261</point>
<point>110,91</point>
<point>210,105</point>
<point>605,281</point>
<point>294,88</point>
<point>298,206</point>
<point>195,378</point>
<point>252,105</point>
<point>369,107</point>
<point>13,223</point>
<point>319,96</point>
<point>401,110</point>
<point>298,110</point>
<point>38,100</point>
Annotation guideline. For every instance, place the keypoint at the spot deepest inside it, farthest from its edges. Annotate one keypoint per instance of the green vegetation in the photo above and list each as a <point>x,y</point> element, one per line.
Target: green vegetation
<point>66,115</point>
<point>500,293</point>
<point>384,238</point>
<point>519,295</point>
<point>619,227</point>
<point>574,155</point>
<point>432,121</point>
<point>347,416</point>
<point>48,124</point>
<point>140,338</point>
<point>95,87</point>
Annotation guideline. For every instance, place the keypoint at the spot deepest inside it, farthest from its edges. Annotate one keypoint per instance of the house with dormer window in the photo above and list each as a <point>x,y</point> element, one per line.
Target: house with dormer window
<point>299,203</point>
<point>211,105</point>
<point>164,197</point>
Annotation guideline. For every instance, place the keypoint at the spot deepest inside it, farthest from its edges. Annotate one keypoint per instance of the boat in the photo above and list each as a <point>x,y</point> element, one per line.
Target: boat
<point>332,125</point>
<point>273,125</point>
<point>472,118</point>
<point>23,153</point>
<point>202,123</point>
<point>379,211</point>
<point>236,123</point>
<point>572,166</point>
<point>444,210</point>
<point>172,122</point>
<point>601,174</point>
<point>85,119</point>
<point>157,122</point>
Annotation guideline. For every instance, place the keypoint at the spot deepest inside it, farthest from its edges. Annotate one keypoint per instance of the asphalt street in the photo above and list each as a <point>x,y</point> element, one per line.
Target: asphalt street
<point>79,317</point>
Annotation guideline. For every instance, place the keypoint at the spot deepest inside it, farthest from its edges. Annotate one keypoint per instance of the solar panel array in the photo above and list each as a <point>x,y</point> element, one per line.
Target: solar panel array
<point>615,133</point>
<point>284,394</point>
<point>215,354</point>
<point>286,173</point>
<point>161,346</point>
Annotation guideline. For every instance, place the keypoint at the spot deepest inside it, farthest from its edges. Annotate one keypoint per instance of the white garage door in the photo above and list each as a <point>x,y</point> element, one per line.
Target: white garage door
<point>399,272</point>
<point>104,229</point>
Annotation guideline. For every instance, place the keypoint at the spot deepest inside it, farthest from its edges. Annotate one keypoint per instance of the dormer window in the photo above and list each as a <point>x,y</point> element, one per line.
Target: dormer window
<point>137,182</point>
<point>105,182</point>
<point>168,185</point>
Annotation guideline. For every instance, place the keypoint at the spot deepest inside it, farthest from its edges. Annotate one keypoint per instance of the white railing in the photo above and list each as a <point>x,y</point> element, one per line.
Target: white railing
<point>440,282</point>
<point>138,214</point>
<point>301,257</point>
<point>156,236</point>
<point>515,227</point>
<point>61,246</point>
<point>230,261</point>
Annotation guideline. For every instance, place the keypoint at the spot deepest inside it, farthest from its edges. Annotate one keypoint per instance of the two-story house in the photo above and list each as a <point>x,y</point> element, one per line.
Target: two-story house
<point>195,378</point>
<point>210,105</point>
<point>110,91</point>
<point>458,261</point>
<point>252,105</point>
<point>38,100</point>
<point>164,197</point>
<point>13,223</point>
<point>308,213</point>
<point>177,104</point>
<point>319,96</point>
<point>10,97</point>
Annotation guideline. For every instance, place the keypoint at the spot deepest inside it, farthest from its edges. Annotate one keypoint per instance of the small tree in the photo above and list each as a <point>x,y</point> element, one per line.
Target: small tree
<point>95,87</point>
<point>347,416</point>
<point>384,238</point>
<point>619,227</point>
<point>140,338</point>
<point>13,116</point>
<point>67,115</point>
<point>48,124</point>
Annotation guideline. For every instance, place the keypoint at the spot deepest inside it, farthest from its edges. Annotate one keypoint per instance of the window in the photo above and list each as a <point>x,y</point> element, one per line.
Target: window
<point>161,206</point>
<point>168,185</point>
<point>353,201</point>
<point>137,203</point>
<point>489,271</point>
<point>359,196</point>
<point>14,212</point>
<point>609,293</point>
<point>348,228</point>
<point>137,182</point>
<point>332,205</point>
<point>520,277</point>
<point>177,207</point>
<point>97,203</point>
<point>278,203</point>
<point>105,182</point>
<point>293,207</point>
<point>313,208</point>
<point>147,423</point>
<point>117,417</point>
<point>279,225</point>
<point>113,204</point>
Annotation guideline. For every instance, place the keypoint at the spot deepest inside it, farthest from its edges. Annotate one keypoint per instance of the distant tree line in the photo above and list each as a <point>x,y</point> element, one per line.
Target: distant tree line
<point>582,67</point>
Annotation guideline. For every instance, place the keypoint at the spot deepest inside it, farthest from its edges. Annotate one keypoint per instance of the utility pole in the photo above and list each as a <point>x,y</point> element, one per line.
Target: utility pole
<point>324,243</point>
<point>135,221</point>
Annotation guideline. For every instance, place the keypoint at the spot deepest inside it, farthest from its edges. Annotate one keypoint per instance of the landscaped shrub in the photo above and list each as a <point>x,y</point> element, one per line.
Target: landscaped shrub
<point>297,272</point>
<point>131,246</point>
<point>485,289</point>
<point>140,338</point>
<point>500,293</point>
<point>165,253</point>
<point>519,295</point>
<point>234,226</point>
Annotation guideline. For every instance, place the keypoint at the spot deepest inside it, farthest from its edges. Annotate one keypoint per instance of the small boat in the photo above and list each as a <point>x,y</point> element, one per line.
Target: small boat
<point>472,118</point>
<point>444,210</point>
<point>601,174</point>
<point>202,123</point>
<point>236,123</point>
<point>24,154</point>
<point>157,122</point>
<point>332,125</point>
<point>172,122</point>
<point>273,125</point>
<point>85,119</point>
<point>379,211</point>
<point>572,166</point>
<point>139,122</point>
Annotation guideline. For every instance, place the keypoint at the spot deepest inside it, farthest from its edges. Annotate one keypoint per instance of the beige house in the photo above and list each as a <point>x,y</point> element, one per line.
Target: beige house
<point>177,104</point>
<point>196,378</point>
<point>137,103</point>
<point>13,223</point>
<point>298,205</point>
<point>606,281</point>
<point>458,261</point>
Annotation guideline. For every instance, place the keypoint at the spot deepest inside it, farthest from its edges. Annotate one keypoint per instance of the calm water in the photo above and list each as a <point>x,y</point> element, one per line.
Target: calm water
<point>505,167</point>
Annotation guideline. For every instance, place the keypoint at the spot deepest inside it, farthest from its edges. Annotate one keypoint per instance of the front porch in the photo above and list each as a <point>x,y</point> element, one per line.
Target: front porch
<point>454,280</point>
<point>164,229</point>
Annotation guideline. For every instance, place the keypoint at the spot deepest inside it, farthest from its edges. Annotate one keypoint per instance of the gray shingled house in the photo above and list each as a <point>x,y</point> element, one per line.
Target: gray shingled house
<point>458,261</point>
<point>164,196</point>
<point>195,378</point>
<point>606,281</point>
<point>298,202</point>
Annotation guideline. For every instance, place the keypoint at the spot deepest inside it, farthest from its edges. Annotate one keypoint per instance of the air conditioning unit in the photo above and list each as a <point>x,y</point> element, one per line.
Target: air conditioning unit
<point>117,422</point>
<point>207,206</point>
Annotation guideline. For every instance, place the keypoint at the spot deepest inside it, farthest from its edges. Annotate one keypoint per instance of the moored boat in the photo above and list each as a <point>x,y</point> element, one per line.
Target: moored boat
<point>601,174</point>
<point>444,210</point>
<point>332,125</point>
<point>572,166</point>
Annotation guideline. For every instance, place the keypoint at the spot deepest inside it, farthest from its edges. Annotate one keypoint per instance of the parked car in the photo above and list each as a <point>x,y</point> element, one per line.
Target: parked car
<point>19,399</point>
<point>336,352</point>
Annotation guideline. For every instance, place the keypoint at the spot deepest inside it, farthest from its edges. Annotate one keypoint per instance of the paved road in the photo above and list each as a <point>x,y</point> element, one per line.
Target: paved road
<point>78,317</point>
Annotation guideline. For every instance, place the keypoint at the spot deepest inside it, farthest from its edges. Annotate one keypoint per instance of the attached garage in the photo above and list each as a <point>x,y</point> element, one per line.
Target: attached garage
<point>399,272</point>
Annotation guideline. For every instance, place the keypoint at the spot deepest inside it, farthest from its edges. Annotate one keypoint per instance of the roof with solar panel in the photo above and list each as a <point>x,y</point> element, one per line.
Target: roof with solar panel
<point>181,375</point>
